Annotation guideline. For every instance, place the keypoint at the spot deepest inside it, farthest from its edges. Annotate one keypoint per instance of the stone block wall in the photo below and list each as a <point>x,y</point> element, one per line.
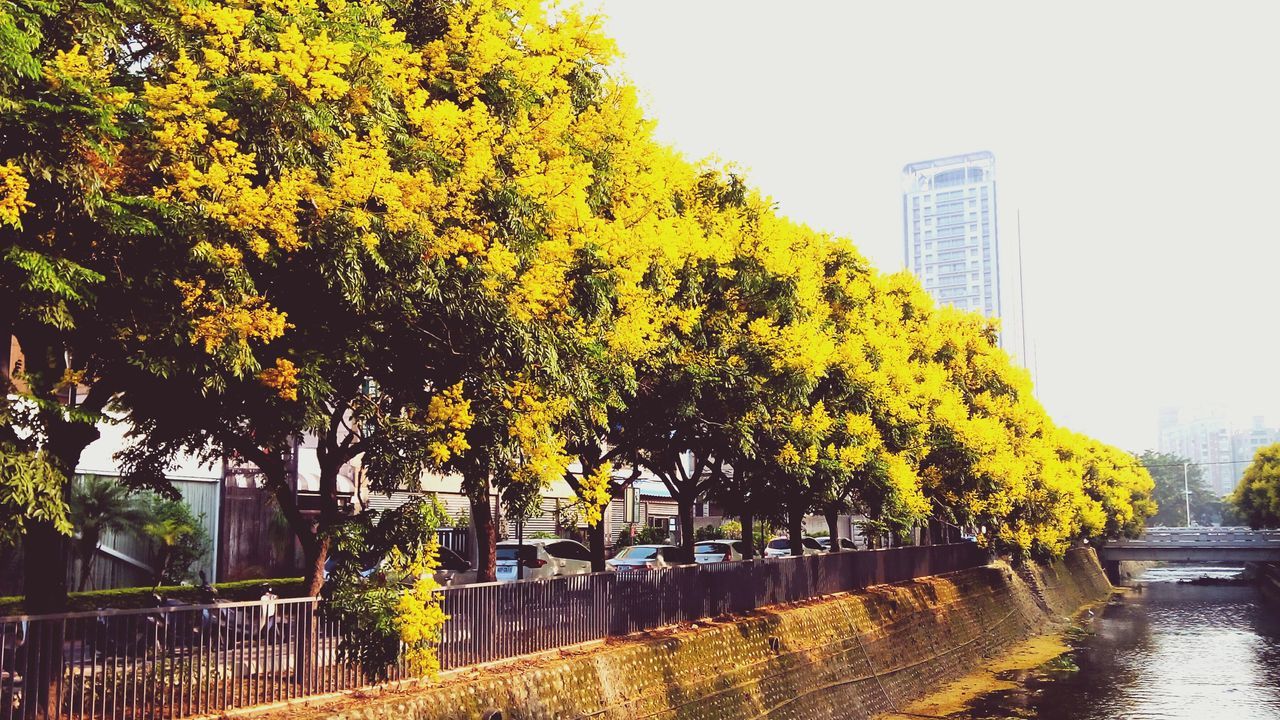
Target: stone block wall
<point>846,656</point>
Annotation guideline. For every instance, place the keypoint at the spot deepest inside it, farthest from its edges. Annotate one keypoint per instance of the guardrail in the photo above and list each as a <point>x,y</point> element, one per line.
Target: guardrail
<point>174,662</point>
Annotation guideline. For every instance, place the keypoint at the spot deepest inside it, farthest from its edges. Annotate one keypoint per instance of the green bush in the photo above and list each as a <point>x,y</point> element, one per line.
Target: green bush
<point>140,597</point>
<point>709,532</point>
<point>179,537</point>
<point>730,529</point>
<point>395,614</point>
<point>650,535</point>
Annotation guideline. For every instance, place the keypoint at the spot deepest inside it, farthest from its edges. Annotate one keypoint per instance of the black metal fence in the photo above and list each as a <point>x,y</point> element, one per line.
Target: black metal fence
<point>174,662</point>
<point>492,621</point>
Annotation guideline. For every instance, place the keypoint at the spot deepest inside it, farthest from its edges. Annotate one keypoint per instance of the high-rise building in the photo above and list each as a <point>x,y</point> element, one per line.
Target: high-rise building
<point>949,230</point>
<point>1222,449</point>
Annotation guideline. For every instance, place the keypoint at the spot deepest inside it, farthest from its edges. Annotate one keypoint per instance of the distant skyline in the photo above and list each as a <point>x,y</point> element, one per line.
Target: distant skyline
<point>1138,140</point>
<point>1221,445</point>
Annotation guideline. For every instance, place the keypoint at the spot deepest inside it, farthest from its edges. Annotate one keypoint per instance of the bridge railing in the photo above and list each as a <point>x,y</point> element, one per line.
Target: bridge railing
<point>1201,535</point>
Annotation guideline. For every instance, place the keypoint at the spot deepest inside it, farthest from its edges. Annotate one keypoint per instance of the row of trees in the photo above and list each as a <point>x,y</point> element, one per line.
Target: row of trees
<point>440,236</point>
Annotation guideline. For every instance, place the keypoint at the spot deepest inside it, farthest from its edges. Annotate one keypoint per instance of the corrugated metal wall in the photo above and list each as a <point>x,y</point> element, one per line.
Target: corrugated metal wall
<point>615,515</point>
<point>110,571</point>
<point>544,522</point>
<point>455,505</point>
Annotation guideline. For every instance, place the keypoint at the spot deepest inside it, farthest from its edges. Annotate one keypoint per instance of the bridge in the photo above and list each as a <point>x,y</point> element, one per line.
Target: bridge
<point>1196,545</point>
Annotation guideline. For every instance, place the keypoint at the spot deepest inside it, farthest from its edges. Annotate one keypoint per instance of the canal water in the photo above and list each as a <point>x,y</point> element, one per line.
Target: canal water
<point>1164,650</point>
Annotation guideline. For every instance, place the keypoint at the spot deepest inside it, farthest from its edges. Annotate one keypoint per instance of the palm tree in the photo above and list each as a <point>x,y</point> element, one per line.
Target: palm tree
<point>100,505</point>
<point>168,534</point>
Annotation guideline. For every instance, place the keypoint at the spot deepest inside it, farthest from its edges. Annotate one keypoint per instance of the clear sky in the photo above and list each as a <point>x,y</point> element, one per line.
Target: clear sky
<point>1139,140</point>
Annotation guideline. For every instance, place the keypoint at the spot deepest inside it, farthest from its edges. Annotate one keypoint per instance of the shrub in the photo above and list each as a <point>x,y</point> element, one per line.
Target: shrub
<point>396,612</point>
<point>180,538</point>
<point>140,597</point>
<point>626,536</point>
<point>650,535</point>
<point>709,532</point>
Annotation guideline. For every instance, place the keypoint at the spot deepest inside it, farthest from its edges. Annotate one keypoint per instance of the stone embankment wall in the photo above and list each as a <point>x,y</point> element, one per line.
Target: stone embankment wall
<point>1268,575</point>
<point>1121,573</point>
<point>847,656</point>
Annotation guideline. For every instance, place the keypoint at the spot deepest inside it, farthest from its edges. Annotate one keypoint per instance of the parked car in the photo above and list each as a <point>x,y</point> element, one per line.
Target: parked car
<point>542,558</point>
<point>454,569</point>
<point>710,551</point>
<point>781,547</point>
<point>649,557</point>
<point>845,543</point>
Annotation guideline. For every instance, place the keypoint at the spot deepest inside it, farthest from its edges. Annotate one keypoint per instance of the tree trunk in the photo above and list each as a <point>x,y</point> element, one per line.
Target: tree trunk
<point>684,508</point>
<point>45,591</point>
<point>44,569</point>
<point>161,566</point>
<point>597,540</point>
<point>316,553</point>
<point>795,526</point>
<point>748,533</point>
<point>44,548</point>
<point>486,537</point>
<point>86,562</point>
<point>833,526</point>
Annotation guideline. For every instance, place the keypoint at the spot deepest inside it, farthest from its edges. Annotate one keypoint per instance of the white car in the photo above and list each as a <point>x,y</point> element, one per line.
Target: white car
<point>542,558</point>
<point>711,551</point>
<point>781,547</point>
<point>845,544</point>
<point>648,557</point>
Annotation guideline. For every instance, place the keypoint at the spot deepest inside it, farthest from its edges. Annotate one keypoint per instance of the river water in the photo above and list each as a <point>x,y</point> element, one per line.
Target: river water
<point>1164,650</point>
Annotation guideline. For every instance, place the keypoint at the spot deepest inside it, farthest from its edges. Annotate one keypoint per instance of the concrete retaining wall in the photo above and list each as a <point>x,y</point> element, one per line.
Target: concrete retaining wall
<point>1268,575</point>
<point>849,656</point>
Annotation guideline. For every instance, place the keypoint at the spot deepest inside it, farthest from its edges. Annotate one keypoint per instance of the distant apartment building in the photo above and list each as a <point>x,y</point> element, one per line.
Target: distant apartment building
<point>1223,449</point>
<point>950,240</point>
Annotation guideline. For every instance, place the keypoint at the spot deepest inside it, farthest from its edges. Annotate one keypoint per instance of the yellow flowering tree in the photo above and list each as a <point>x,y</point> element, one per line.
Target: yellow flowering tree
<point>1257,497</point>
<point>394,613</point>
<point>441,236</point>
<point>68,214</point>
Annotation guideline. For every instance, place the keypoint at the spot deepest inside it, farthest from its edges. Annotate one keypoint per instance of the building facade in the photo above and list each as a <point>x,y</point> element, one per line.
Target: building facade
<point>1223,449</point>
<point>950,241</point>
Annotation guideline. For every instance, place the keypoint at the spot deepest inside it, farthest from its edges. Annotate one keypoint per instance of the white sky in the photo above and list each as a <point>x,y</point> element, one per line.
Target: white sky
<point>1140,140</point>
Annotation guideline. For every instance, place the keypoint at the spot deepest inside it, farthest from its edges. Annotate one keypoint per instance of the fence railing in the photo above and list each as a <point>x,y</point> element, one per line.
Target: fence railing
<point>456,539</point>
<point>174,662</point>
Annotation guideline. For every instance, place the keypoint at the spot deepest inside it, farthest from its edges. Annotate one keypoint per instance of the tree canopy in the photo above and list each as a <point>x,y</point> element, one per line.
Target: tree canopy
<point>1257,497</point>
<point>1167,471</point>
<point>441,237</point>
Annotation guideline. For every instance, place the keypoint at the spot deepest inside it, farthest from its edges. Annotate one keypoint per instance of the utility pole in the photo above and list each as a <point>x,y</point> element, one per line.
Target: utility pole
<point>1186,492</point>
<point>1022,293</point>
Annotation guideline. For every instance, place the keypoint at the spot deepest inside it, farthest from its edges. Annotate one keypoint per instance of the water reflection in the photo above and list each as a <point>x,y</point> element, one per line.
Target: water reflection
<point>1167,650</point>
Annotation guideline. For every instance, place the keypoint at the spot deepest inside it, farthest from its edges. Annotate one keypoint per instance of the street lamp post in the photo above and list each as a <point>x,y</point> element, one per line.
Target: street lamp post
<point>1186,492</point>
